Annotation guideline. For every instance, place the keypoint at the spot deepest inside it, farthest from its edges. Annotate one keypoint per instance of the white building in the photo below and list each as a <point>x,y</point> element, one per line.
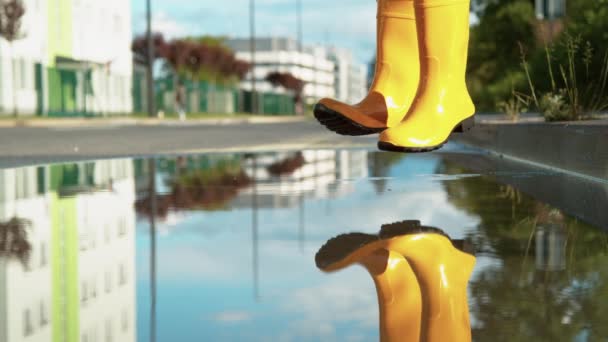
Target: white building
<point>79,282</point>
<point>88,40</point>
<point>323,174</point>
<point>350,76</point>
<point>312,65</point>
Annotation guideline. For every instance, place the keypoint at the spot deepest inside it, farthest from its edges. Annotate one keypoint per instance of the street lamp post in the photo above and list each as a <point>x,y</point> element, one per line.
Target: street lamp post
<point>150,61</point>
<point>254,98</point>
<point>300,48</point>
<point>299,21</point>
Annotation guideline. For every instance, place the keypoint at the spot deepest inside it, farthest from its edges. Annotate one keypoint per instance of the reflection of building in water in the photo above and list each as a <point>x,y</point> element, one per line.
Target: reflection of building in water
<point>79,284</point>
<point>25,292</point>
<point>322,174</point>
<point>550,247</point>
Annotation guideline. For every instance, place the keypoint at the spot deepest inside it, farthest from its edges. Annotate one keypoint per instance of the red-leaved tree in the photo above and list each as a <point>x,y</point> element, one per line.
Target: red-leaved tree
<point>139,46</point>
<point>11,13</point>
<point>287,81</point>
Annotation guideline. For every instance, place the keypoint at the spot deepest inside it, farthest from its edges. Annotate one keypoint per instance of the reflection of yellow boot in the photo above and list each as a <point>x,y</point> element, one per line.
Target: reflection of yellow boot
<point>443,273</point>
<point>421,279</point>
<point>442,102</point>
<point>395,80</point>
<point>396,285</point>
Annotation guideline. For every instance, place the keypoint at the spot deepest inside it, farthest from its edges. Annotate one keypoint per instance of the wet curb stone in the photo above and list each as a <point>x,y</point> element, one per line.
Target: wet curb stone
<point>580,147</point>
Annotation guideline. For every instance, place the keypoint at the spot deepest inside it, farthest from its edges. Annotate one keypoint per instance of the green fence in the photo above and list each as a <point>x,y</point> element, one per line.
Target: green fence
<point>269,103</point>
<point>83,91</point>
<point>205,97</point>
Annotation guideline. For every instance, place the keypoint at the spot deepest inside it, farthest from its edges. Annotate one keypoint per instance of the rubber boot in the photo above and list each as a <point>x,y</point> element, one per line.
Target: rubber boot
<point>443,273</point>
<point>399,297</point>
<point>442,103</point>
<point>395,79</point>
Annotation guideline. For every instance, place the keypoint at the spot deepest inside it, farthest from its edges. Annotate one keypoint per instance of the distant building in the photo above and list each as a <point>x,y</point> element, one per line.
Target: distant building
<point>549,14</point>
<point>324,174</point>
<point>312,65</point>
<point>350,76</point>
<point>74,58</point>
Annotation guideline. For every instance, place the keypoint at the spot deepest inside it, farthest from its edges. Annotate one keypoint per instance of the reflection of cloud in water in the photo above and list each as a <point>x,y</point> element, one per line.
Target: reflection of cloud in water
<point>339,309</point>
<point>337,301</point>
<point>232,317</point>
<point>368,214</point>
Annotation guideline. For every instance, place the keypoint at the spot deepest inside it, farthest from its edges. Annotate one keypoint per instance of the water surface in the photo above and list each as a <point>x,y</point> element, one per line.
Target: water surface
<point>221,247</point>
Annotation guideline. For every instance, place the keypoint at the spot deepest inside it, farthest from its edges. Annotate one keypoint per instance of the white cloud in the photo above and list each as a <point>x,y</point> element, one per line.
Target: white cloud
<point>169,26</point>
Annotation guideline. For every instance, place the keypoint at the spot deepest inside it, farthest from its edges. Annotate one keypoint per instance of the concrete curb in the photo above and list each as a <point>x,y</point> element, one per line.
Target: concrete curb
<point>83,122</point>
<point>578,147</point>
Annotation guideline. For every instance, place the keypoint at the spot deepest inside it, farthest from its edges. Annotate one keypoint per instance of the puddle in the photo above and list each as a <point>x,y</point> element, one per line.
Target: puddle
<point>231,257</point>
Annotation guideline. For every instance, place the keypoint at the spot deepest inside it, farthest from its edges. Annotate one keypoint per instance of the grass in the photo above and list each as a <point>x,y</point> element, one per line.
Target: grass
<point>579,96</point>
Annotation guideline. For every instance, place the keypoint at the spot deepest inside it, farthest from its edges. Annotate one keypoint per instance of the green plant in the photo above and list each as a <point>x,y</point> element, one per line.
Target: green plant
<point>577,92</point>
<point>554,107</point>
<point>515,105</point>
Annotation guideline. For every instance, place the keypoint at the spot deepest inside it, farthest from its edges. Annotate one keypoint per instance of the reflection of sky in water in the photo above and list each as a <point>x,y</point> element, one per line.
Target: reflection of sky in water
<point>205,274</point>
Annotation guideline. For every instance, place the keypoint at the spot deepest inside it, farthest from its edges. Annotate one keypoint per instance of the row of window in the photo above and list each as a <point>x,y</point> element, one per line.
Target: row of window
<point>88,288</point>
<point>35,318</point>
<point>91,334</point>
<point>88,240</point>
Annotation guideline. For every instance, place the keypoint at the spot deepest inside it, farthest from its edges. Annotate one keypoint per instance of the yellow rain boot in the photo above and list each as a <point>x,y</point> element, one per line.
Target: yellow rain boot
<point>395,80</point>
<point>442,103</point>
<point>443,272</point>
<point>397,288</point>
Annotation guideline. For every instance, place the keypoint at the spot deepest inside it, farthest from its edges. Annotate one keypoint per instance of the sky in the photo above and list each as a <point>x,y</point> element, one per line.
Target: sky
<point>348,24</point>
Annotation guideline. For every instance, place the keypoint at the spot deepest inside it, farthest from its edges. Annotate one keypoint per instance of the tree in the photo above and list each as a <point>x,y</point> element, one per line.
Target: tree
<point>494,66</point>
<point>139,46</point>
<point>13,239</point>
<point>289,82</point>
<point>11,12</point>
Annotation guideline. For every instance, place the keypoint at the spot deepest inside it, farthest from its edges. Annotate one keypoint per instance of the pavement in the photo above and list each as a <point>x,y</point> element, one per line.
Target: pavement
<point>576,147</point>
<point>32,145</point>
<point>130,121</point>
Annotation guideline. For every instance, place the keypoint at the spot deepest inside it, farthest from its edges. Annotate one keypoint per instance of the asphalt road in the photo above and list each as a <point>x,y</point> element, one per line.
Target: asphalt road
<point>20,146</point>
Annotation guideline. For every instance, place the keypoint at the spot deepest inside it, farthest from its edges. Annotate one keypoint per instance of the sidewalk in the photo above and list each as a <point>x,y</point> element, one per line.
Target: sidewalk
<point>130,121</point>
<point>579,147</point>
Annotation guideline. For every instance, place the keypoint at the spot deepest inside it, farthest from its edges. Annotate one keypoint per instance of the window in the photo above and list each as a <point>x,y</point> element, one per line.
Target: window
<point>122,227</point>
<point>122,274</point>
<point>93,288</point>
<point>108,281</point>
<point>124,320</point>
<point>44,314</point>
<point>83,292</point>
<point>107,232</point>
<point>43,254</point>
<point>28,327</point>
<point>109,332</point>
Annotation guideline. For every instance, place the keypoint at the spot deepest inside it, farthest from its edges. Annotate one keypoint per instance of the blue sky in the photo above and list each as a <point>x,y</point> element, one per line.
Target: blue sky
<point>344,23</point>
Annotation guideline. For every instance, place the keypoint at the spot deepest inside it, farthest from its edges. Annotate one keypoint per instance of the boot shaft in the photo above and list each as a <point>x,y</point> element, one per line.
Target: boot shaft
<point>443,36</point>
<point>396,46</point>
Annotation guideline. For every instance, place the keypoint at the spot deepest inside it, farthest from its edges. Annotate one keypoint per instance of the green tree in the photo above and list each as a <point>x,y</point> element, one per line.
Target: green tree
<point>494,68</point>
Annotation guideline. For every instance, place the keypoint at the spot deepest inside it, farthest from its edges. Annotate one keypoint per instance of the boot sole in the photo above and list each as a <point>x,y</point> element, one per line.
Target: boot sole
<point>463,127</point>
<point>343,246</point>
<point>338,123</point>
